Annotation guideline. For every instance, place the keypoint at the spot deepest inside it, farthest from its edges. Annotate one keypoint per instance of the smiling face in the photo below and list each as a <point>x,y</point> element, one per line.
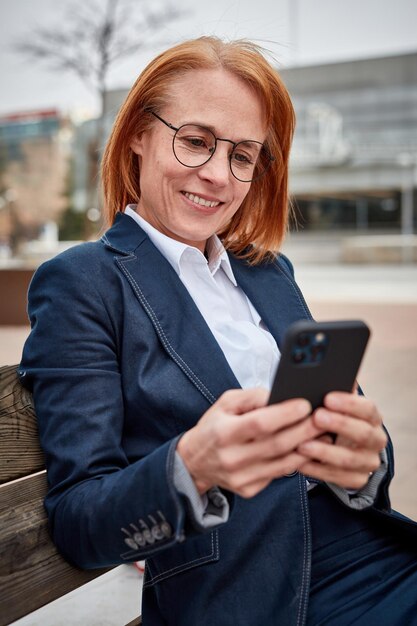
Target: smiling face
<point>191,204</point>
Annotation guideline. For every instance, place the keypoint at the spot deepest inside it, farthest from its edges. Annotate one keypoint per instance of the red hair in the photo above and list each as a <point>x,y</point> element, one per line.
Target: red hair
<point>257,229</point>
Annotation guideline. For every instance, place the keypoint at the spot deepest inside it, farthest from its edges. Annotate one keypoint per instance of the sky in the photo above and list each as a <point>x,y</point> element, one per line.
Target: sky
<point>298,32</point>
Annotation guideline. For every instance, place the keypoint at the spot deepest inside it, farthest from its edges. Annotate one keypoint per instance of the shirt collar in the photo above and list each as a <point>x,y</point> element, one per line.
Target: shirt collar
<point>217,257</point>
<point>174,250</point>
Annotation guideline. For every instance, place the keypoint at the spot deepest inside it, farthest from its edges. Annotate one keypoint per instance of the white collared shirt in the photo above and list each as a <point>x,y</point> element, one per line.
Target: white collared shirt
<point>249,348</point>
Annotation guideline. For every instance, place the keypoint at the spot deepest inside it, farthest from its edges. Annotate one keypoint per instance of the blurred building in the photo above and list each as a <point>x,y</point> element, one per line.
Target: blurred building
<point>353,166</point>
<point>34,150</point>
<point>89,140</point>
<point>354,159</point>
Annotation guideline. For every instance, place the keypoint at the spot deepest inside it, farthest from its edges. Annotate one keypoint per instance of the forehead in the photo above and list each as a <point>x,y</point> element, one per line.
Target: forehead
<point>219,99</point>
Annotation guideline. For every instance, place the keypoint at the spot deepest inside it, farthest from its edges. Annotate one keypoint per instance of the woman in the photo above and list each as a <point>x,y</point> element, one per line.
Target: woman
<point>150,357</point>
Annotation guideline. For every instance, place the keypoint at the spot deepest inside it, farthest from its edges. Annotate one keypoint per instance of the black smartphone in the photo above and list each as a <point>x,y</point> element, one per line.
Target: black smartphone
<point>319,357</point>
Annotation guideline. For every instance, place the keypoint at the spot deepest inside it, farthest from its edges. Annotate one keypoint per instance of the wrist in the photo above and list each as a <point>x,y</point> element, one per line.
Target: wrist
<point>184,449</point>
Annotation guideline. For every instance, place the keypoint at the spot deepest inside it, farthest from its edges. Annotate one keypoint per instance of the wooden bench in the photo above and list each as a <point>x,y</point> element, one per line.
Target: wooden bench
<point>32,572</point>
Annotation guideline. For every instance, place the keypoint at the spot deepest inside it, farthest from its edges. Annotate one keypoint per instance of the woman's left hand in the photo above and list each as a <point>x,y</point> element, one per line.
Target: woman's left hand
<point>360,437</point>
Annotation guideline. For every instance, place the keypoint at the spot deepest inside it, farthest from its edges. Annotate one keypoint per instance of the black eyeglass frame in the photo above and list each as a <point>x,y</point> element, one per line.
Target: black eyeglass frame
<point>213,150</point>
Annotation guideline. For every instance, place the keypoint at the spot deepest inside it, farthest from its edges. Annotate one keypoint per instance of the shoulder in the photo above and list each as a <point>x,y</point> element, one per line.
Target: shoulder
<point>271,261</point>
<point>78,255</point>
<point>271,265</point>
<point>80,261</point>
<point>284,262</point>
<point>81,272</point>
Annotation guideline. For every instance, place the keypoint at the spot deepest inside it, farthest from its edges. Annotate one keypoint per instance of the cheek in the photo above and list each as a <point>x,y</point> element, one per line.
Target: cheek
<point>152,173</point>
<point>166,166</point>
<point>162,181</point>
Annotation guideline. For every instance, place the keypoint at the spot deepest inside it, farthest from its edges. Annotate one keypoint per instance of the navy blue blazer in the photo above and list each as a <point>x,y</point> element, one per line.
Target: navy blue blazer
<point>121,362</point>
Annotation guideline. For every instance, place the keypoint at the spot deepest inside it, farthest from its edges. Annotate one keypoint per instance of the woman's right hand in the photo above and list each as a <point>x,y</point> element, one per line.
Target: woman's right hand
<point>241,444</point>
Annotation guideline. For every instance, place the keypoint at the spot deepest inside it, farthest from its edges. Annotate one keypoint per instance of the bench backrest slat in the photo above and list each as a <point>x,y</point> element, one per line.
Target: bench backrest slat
<point>32,572</point>
<point>20,452</point>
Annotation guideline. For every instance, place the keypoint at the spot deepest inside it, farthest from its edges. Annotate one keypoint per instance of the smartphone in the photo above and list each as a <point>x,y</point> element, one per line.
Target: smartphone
<point>319,357</point>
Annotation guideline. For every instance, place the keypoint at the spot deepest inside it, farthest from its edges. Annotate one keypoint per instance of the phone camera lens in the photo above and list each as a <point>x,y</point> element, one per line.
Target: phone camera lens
<point>303,339</point>
<point>317,352</point>
<point>298,356</point>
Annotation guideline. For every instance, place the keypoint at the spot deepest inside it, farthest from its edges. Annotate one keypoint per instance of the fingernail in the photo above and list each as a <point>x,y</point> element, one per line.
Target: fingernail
<point>333,401</point>
<point>304,407</point>
<point>307,446</point>
<point>322,417</point>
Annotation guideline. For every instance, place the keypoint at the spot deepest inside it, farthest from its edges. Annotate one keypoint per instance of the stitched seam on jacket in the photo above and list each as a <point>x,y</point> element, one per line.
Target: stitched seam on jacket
<point>176,357</point>
<point>294,287</point>
<point>306,559</point>
<point>108,243</point>
<point>213,556</point>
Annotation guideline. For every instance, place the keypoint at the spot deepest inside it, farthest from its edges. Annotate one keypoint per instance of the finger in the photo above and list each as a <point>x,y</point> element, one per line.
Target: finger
<point>340,457</point>
<point>283,442</point>
<point>249,491</point>
<point>278,445</point>
<point>239,401</point>
<point>348,480</point>
<point>246,481</point>
<point>362,433</point>
<point>261,423</point>
<point>231,404</point>
<point>352,404</point>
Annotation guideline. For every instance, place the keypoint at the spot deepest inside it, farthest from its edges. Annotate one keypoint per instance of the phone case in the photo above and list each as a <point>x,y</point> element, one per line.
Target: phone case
<point>319,357</point>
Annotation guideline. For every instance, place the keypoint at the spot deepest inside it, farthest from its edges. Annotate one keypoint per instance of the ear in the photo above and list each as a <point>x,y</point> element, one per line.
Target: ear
<point>137,145</point>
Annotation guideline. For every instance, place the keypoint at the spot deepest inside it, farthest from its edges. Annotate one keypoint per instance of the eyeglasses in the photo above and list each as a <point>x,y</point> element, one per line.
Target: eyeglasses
<point>194,145</point>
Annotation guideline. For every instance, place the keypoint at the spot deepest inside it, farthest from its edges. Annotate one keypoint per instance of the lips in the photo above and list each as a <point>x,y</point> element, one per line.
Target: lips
<point>205,202</point>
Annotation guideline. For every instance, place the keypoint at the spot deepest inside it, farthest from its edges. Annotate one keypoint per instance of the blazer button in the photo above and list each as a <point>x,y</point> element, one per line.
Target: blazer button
<point>138,537</point>
<point>147,535</point>
<point>157,532</point>
<point>166,529</point>
<point>131,543</point>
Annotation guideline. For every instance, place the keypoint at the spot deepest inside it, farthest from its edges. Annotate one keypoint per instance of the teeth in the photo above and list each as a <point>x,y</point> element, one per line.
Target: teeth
<point>199,200</point>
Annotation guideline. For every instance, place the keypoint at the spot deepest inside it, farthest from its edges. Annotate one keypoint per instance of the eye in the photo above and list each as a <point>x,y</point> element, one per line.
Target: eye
<point>192,143</point>
<point>242,158</point>
<point>190,137</point>
<point>196,142</point>
<point>246,153</point>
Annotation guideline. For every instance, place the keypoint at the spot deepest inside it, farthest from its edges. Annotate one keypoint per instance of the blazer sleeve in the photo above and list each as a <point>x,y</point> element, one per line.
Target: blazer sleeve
<point>103,510</point>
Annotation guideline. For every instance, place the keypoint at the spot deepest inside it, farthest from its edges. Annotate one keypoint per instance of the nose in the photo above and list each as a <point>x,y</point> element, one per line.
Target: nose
<point>217,169</point>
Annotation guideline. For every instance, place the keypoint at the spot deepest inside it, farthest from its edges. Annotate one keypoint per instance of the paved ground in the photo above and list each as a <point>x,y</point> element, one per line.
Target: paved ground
<point>385,297</point>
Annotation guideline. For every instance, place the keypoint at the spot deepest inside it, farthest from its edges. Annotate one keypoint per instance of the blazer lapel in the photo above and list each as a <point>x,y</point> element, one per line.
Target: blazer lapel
<point>181,328</point>
<point>274,294</point>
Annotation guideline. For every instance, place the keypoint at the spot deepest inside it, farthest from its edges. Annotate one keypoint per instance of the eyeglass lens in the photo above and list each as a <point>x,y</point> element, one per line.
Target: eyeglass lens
<point>195,145</point>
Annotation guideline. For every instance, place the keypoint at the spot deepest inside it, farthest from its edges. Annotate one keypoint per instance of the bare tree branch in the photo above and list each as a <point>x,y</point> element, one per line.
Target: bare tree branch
<point>96,36</point>
<point>93,38</point>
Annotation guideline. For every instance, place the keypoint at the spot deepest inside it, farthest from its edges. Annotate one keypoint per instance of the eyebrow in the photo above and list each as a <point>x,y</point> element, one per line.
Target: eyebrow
<point>214,131</point>
<point>203,124</point>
